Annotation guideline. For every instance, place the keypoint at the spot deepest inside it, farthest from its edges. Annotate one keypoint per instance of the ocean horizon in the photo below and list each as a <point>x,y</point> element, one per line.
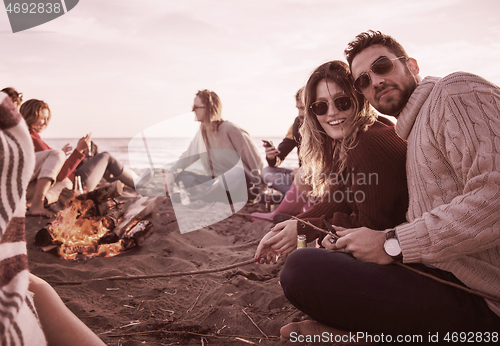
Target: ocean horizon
<point>169,149</point>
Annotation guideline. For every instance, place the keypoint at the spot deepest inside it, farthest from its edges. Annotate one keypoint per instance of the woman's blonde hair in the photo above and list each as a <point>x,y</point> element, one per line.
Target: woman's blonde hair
<point>320,154</point>
<point>213,109</point>
<point>31,109</point>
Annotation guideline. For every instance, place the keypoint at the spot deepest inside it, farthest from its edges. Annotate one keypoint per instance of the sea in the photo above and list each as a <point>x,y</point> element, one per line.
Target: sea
<point>127,151</point>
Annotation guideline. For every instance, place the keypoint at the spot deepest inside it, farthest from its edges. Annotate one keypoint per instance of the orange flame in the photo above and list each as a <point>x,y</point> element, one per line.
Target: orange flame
<point>79,234</point>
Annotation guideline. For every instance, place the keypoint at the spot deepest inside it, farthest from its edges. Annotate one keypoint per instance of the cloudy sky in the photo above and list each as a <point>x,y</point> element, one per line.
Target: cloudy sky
<point>116,67</point>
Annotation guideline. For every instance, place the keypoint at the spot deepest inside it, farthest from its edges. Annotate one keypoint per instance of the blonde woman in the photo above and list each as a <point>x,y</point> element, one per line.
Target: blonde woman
<point>213,145</point>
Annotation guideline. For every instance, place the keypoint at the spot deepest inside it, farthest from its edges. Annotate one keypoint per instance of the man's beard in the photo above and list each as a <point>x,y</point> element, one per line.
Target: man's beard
<point>394,108</point>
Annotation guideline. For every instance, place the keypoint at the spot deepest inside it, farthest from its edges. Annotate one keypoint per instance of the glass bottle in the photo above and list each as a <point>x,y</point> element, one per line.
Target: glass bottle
<point>77,186</point>
<point>269,196</point>
<point>301,241</point>
<point>183,194</point>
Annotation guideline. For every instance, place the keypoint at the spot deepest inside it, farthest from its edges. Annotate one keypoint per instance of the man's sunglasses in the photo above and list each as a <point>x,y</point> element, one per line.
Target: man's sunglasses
<point>382,66</point>
<point>342,103</point>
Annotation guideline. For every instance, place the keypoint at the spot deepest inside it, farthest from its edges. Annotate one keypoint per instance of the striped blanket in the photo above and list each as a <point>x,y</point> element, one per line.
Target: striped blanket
<point>19,324</point>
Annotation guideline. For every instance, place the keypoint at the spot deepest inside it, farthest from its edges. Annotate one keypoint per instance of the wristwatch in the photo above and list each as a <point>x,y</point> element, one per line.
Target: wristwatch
<point>391,246</point>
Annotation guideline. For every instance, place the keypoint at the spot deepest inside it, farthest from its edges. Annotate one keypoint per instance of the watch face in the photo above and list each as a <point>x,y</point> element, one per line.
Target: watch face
<point>392,247</point>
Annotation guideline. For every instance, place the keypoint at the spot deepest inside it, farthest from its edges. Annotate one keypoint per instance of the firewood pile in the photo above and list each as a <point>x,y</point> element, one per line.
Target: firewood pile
<point>98,223</point>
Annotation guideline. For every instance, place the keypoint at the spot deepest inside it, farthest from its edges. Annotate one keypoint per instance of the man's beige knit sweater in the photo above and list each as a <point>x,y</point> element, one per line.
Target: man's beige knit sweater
<point>453,130</point>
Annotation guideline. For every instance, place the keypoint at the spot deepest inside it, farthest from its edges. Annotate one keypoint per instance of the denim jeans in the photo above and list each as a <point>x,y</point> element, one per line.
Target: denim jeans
<point>93,170</point>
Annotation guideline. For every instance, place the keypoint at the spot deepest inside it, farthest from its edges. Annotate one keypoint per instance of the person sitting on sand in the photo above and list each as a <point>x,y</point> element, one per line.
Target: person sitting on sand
<point>37,115</point>
<point>47,167</point>
<point>353,160</point>
<point>31,312</point>
<point>215,133</point>
<point>294,200</point>
<point>282,178</point>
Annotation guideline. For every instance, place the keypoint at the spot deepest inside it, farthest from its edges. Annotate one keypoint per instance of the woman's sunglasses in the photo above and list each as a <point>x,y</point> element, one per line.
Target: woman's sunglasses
<point>382,66</point>
<point>342,103</point>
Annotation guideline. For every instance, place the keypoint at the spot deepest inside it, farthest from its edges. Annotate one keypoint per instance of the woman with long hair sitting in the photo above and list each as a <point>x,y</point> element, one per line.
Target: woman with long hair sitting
<point>219,144</point>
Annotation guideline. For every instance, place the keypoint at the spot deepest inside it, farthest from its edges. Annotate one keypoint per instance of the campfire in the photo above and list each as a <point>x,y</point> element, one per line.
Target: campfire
<point>98,223</point>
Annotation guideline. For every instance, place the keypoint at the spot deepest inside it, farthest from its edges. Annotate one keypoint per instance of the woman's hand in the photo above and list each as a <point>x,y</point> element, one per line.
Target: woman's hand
<point>67,149</point>
<point>264,253</point>
<point>281,239</point>
<point>84,143</point>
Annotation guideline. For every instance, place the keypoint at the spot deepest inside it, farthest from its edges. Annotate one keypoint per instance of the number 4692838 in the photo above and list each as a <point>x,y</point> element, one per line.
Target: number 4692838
<point>34,7</point>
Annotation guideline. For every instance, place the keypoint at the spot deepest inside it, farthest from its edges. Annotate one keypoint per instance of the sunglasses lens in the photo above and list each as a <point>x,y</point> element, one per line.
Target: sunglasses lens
<point>319,108</point>
<point>382,66</point>
<point>343,103</point>
<point>362,82</point>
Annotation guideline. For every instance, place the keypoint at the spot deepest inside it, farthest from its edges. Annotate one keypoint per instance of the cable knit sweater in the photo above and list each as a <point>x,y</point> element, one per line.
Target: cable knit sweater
<point>19,323</point>
<point>453,130</point>
<point>372,191</point>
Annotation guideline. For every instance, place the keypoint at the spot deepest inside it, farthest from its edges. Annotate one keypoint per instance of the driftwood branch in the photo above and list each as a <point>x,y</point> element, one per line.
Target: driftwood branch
<point>333,235</point>
<point>255,324</point>
<point>449,283</point>
<point>152,276</point>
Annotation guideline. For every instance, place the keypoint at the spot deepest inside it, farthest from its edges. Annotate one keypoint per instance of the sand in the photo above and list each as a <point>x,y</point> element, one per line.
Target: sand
<point>246,302</point>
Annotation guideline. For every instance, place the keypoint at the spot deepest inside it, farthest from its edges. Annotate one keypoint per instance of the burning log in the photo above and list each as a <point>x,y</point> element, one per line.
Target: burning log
<point>136,235</point>
<point>136,211</point>
<point>104,194</point>
<point>113,215</point>
<point>94,224</point>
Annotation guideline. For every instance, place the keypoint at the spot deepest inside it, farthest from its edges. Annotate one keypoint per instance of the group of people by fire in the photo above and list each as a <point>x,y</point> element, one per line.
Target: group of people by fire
<point>404,218</point>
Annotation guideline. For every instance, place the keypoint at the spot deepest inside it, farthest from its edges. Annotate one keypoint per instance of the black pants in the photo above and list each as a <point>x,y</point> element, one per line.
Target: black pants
<point>339,291</point>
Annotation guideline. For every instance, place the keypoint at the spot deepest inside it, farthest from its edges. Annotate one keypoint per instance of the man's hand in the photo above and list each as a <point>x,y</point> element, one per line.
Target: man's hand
<point>364,244</point>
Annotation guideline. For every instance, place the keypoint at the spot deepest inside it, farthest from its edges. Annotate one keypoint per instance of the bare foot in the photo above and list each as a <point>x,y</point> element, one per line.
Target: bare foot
<point>312,331</point>
<point>39,211</point>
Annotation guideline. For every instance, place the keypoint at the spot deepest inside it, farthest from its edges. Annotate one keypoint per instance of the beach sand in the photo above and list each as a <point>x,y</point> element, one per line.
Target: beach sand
<point>203,309</point>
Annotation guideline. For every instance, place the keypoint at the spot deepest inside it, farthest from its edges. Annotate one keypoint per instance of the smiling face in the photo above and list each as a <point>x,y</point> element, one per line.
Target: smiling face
<point>42,121</point>
<point>333,121</point>
<point>388,93</point>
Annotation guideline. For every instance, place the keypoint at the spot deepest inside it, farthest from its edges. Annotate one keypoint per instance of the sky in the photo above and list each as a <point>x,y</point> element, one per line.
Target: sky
<point>118,67</point>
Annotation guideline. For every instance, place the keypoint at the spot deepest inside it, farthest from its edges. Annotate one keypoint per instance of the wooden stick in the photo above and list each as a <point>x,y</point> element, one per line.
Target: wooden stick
<point>198,297</point>
<point>449,283</point>
<point>152,276</point>
<point>333,235</point>
<point>181,332</point>
<point>255,217</point>
<point>256,326</point>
